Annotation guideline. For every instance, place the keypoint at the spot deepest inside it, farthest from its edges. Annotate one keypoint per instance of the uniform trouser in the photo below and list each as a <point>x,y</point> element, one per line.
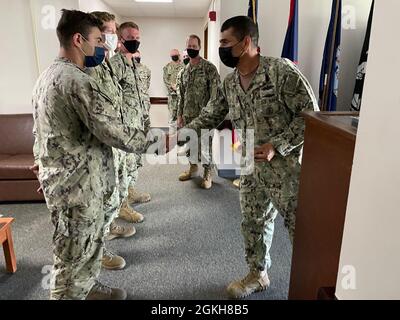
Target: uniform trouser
<point>134,163</point>
<point>260,204</point>
<point>78,249</point>
<point>204,158</point>
<point>173,109</point>
<point>123,176</point>
<point>206,163</point>
<point>111,210</point>
<point>205,166</point>
<point>112,204</point>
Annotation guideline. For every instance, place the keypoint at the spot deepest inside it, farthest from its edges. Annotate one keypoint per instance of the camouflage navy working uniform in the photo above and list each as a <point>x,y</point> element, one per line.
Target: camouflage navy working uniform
<point>171,72</point>
<point>137,101</point>
<point>197,85</point>
<point>144,75</point>
<point>271,107</point>
<point>105,77</point>
<point>76,124</point>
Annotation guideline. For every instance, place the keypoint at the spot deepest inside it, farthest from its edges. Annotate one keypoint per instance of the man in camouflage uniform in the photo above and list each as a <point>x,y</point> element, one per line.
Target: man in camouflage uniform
<point>105,77</point>
<point>137,101</point>
<point>143,71</point>
<point>198,84</point>
<point>76,124</point>
<point>171,72</point>
<point>266,95</point>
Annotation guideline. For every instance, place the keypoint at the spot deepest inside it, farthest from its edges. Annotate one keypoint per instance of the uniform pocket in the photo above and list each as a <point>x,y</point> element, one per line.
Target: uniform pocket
<point>291,84</point>
<point>105,105</point>
<point>74,238</point>
<point>267,108</point>
<point>267,103</point>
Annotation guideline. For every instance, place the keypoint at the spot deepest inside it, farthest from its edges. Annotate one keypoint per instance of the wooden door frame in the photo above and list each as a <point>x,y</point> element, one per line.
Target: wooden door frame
<point>206,41</point>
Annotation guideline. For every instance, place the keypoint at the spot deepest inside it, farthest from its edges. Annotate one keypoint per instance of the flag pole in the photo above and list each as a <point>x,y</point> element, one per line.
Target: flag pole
<point>331,57</point>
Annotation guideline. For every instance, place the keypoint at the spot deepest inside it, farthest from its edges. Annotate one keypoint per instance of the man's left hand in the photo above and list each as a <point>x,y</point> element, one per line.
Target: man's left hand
<point>264,153</point>
<point>35,170</point>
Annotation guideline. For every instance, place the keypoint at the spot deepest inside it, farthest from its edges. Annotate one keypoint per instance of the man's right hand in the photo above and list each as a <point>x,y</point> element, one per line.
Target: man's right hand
<point>35,170</point>
<point>180,122</point>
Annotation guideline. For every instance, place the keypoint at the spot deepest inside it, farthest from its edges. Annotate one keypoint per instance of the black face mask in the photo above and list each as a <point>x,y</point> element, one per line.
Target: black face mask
<point>175,58</point>
<point>186,61</point>
<point>193,53</point>
<point>131,45</point>
<point>138,60</point>
<point>227,57</point>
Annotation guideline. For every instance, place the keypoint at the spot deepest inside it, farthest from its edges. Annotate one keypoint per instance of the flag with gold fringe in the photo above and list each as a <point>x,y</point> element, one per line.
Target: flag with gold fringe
<point>291,46</point>
<point>253,10</point>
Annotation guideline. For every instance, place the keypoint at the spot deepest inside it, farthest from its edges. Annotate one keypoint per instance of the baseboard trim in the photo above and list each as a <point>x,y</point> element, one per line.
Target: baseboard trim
<point>228,174</point>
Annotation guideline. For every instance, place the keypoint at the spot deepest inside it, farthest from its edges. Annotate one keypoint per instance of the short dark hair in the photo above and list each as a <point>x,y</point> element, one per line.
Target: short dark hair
<point>127,25</point>
<point>104,17</point>
<point>193,36</point>
<point>242,26</point>
<point>73,22</point>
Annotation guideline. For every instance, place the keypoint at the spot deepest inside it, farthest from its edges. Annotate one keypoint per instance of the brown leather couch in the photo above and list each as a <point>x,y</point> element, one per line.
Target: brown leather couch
<point>17,182</point>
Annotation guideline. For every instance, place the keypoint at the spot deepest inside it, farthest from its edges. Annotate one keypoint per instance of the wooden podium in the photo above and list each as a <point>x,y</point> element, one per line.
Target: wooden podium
<point>325,179</point>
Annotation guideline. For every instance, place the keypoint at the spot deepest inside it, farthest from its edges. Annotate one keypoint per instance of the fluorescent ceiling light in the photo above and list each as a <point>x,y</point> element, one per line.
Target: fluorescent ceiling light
<point>156,1</point>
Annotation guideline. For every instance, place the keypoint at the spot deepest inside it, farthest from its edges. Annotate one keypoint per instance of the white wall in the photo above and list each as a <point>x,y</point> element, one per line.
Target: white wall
<point>158,37</point>
<point>313,25</point>
<point>45,16</point>
<point>30,45</point>
<point>371,242</point>
<point>214,28</point>
<point>161,35</point>
<point>97,5</point>
<point>19,68</point>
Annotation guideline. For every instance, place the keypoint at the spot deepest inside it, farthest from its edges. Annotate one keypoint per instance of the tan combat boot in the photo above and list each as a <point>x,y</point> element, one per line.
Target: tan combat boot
<point>138,197</point>
<point>128,214</point>
<point>187,175</point>
<point>236,183</point>
<point>255,281</point>
<point>206,183</point>
<point>117,231</point>
<point>111,261</point>
<point>102,292</point>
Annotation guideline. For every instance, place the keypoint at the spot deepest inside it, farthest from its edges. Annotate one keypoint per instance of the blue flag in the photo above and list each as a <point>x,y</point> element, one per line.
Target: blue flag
<point>253,10</point>
<point>291,46</point>
<point>329,81</point>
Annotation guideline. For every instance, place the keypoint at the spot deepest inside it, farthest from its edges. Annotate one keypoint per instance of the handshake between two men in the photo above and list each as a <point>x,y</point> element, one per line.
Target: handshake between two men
<point>262,153</point>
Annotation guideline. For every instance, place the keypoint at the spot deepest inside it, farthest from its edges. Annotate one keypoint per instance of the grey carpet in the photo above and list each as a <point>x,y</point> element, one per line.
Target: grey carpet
<point>189,247</point>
